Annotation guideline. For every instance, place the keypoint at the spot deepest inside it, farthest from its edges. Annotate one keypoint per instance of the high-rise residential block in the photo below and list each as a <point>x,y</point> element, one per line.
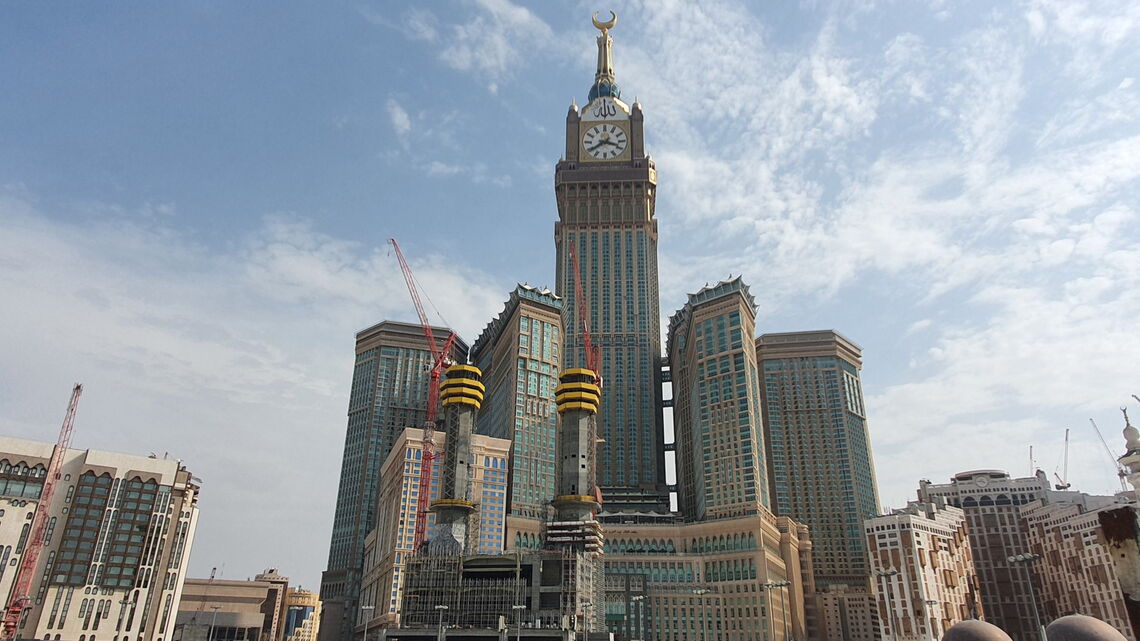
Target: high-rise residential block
<point>819,452</point>
<point>991,502</point>
<point>116,544</point>
<point>389,393</point>
<point>520,354</point>
<point>1076,567</point>
<point>924,569</point>
<point>606,186</point>
<point>388,546</point>
<point>721,466</point>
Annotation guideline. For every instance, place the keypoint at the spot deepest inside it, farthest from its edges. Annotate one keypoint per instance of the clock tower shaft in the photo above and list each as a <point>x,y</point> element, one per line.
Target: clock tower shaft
<point>606,194</point>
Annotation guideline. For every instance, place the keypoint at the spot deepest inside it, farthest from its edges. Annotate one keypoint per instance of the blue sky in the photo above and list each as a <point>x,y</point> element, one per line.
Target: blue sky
<point>194,200</point>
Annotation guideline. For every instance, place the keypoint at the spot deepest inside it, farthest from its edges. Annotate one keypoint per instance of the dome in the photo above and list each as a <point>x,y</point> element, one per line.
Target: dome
<point>975,630</point>
<point>603,88</point>
<point>1078,627</point>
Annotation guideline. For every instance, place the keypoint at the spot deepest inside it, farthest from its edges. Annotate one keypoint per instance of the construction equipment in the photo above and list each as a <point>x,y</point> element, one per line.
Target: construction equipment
<point>593,352</point>
<point>1121,473</point>
<point>21,587</point>
<point>441,359</point>
<point>1062,481</point>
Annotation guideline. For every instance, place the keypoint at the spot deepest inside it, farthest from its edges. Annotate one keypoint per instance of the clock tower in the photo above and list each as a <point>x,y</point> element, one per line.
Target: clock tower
<point>605,187</point>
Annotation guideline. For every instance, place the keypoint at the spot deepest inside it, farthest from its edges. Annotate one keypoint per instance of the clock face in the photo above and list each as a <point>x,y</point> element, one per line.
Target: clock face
<point>982,481</point>
<point>605,141</point>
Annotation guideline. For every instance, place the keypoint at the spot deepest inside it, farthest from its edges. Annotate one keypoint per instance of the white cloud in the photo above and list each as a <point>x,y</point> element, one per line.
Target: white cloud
<point>401,121</point>
<point>230,360</point>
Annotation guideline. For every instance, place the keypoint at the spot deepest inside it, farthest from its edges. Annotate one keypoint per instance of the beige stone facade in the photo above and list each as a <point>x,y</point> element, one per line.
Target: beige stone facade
<point>117,541</point>
<point>387,546</point>
<point>302,615</point>
<point>706,580</point>
<point>233,610</point>
<point>1076,568</point>
<point>922,560</point>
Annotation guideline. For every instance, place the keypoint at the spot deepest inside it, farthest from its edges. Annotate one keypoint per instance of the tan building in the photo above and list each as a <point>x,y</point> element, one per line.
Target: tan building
<point>844,613</point>
<point>922,560</point>
<point>387,547</point>
<point>1076,569</point>
<point>117,541</point>
<point>709,576</point>
<point>213,609</point>
<point>991,502</point>
<point>302,615</point>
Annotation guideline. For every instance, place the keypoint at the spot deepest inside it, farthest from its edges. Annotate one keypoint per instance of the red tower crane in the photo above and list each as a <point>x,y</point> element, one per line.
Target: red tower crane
<point>593,352</point>
<point>22,586</point>
<point>440,360</point>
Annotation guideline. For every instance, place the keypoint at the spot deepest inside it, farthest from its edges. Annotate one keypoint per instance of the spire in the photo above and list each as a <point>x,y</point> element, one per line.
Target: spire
<point>605,84</point>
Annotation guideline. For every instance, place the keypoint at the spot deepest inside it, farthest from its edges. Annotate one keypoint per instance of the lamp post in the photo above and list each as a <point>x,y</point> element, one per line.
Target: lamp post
<point>586,606</point>
<point>369,608</point>
<point>213,620</point>
<point>701,592</point>
<point>636,600</point>
<point>1025,560</point>
<point>518,608</point>
<point>768,587</point>
<point>930,603</point>
<point>441,609</point>
<point>883,574</point>
<point>787,585</point>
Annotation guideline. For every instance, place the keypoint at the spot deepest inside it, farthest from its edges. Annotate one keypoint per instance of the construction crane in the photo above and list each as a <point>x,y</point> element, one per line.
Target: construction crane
<point>22,585</point>
<point>1120,472</point>
<point>593,352</point>
<point>440,358</point>
<point>1062,481</point>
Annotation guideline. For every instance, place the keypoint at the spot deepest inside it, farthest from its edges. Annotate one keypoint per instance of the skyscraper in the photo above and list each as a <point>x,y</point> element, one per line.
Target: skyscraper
<point>521,352</point>
<point>721,467</point>
<point>389,393</point>
<point>605,187</point>
<point>819,452</point>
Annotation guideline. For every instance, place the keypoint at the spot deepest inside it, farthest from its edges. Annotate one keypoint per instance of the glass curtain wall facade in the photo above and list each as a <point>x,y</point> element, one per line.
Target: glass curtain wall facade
<point>721,466</point>
<point>389,393</point>
<point>520,353</point>
<point>819,450</point>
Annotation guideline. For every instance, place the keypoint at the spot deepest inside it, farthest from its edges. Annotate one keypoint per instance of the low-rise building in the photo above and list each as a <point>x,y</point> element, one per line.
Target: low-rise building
<point>922,559</point>
<point>116,541</point>
<point>213,609</point>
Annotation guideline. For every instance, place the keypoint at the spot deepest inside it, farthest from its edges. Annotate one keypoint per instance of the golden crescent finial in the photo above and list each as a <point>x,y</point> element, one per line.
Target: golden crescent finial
<point>607,25</point>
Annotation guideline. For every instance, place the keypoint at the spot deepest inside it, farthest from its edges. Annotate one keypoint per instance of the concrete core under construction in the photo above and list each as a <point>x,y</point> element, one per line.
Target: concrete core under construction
<point>554,593</point>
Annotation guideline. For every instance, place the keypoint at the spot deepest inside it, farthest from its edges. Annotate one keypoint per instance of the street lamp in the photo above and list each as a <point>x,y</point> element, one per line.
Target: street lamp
<point>1025,560</point>
<point>586,605</point>
<point>701,592</point>
<point>637,617</point>
<point>441,609</point>
<point>930,603</point>
<point>518,608</point>
<point>213,619</point>
<point>366,619</point>
<point>883,574</point>
<point>767,587</point>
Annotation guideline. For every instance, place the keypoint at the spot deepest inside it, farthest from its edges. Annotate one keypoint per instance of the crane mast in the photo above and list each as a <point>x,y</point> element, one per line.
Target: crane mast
<point>22,586</point>
<point>1120,473</point>
<point>440,360</point>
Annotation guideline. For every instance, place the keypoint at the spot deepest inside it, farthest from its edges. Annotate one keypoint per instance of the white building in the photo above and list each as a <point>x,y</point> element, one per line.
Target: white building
<point>924,567</point>
<point>116,544</point>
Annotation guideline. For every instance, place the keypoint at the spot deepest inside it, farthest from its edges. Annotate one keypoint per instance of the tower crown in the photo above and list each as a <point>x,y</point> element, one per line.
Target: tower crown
<point>605,83</point>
